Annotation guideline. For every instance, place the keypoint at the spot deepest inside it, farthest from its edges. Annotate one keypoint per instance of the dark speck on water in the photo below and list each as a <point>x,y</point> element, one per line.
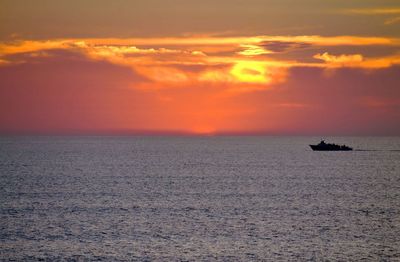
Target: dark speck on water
<point>198,198</point>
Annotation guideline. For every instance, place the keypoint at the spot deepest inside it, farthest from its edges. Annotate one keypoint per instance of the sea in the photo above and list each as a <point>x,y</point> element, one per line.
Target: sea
<point>198,198</point>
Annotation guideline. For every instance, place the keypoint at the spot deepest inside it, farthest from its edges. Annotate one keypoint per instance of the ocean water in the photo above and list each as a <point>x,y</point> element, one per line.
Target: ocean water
<point>198,199</point>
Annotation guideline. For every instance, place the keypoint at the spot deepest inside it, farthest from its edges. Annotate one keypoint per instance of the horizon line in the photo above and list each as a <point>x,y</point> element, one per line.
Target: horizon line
<point>172,133</point>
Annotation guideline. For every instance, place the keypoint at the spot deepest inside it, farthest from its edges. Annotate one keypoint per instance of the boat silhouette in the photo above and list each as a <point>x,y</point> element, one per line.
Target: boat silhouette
<point>322,146</point>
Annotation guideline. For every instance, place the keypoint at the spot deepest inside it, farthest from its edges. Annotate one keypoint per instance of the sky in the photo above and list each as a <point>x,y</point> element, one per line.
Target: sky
<point>263,67</point>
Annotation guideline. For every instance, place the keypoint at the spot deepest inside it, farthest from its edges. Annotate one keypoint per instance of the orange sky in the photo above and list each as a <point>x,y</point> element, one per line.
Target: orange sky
<point>200,80</point>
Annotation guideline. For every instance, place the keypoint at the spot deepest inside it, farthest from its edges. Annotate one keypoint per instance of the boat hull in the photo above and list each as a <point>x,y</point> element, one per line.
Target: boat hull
<point>330,148</point>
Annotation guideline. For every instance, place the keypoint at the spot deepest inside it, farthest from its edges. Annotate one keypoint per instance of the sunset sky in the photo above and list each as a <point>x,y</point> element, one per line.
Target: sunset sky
<point>278,67</point>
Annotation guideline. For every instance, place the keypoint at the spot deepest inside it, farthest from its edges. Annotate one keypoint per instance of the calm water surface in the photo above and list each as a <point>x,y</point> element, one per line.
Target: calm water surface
<point>198,198</point>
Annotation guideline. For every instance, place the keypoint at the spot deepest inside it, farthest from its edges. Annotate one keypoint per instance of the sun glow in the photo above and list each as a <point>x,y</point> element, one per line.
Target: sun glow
<point>204,130</point>
<point>250,72</point>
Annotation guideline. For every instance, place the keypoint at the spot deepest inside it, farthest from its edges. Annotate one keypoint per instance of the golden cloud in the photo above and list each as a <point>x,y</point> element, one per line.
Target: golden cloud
<point>129,44</point>
<point>163,60</point>
<point>253,50</point>
<point>341,60</point>
<point>373,11</point>
<point>357,60</point>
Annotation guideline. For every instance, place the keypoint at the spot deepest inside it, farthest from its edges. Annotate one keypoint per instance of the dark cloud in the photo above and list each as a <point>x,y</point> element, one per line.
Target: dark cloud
<point>280,46</point>
<point>50,65</point>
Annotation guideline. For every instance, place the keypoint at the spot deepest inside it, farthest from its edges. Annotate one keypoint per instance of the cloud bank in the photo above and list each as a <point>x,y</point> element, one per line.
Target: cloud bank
<point>259,84</point>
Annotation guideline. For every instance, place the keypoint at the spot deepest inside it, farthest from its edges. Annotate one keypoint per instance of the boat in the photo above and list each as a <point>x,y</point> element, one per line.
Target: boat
<point>322,146</point>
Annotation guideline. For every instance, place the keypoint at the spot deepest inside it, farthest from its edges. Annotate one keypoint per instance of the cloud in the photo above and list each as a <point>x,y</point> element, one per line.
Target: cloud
<point>392,21</point>
<point>129,44</point>
<point>341,60</point>
<point>377,12</point>
<point>357,61</point>
<point>16,47</point>
<point>253,50</point>
<point>372,11</point>
<point>66,91</point>
<point>170,62</point>
<point>280,46</point>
